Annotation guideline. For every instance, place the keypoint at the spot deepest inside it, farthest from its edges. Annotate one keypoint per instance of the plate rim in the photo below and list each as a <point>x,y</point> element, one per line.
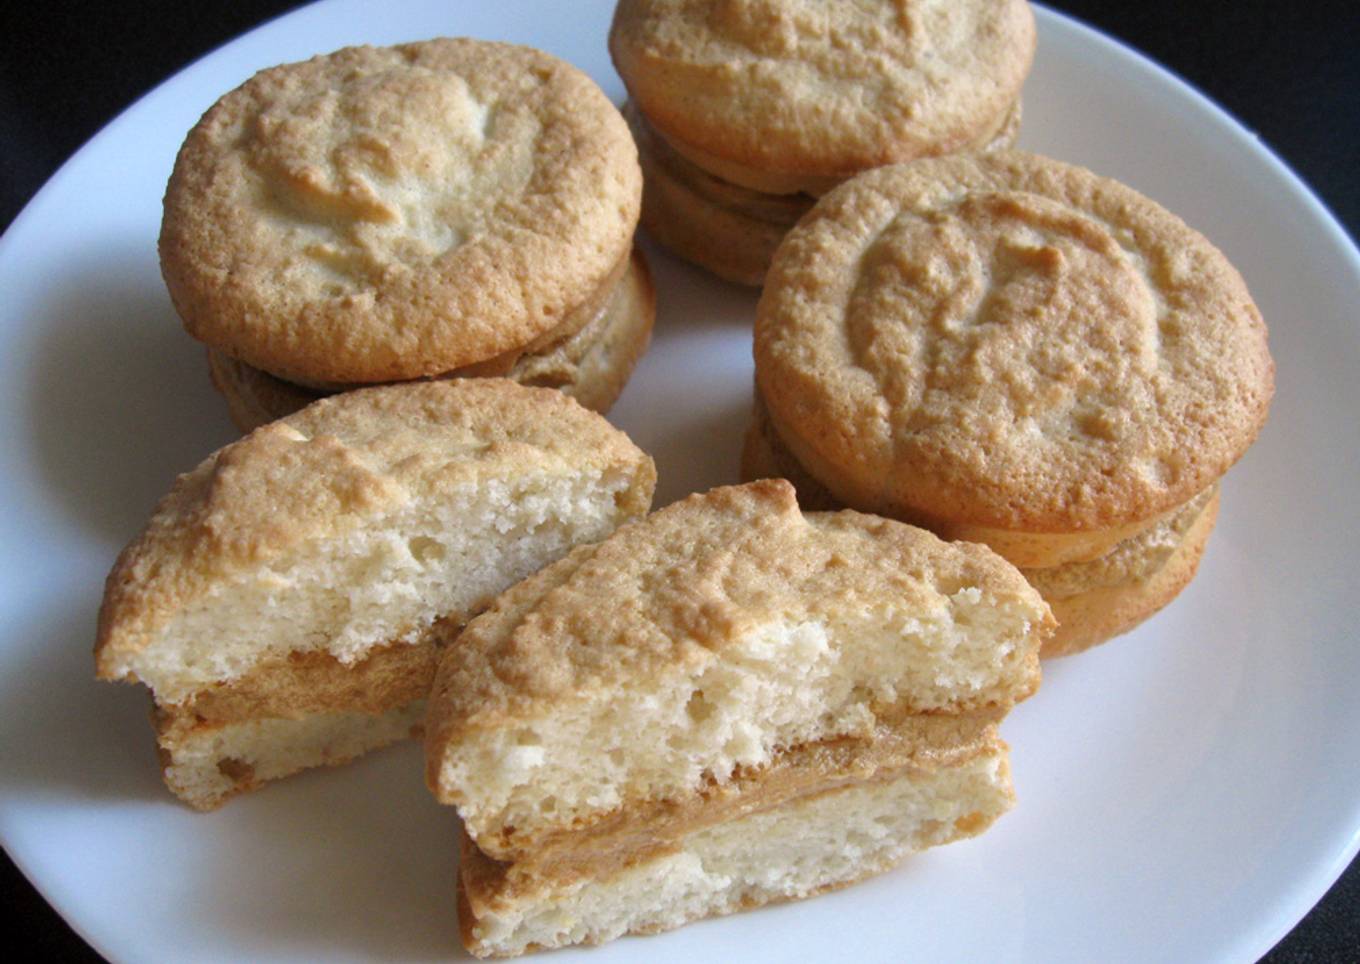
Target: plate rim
<point>1292,905</point>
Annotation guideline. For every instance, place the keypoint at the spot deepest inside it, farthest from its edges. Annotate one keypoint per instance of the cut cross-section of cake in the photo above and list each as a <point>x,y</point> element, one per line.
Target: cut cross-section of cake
<point>285,600</point>
<point>727,703</point>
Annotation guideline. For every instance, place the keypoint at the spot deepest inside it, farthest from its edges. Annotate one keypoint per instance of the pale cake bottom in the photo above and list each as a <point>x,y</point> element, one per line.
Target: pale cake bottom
<point>292,713</point>
<point>205,766</point>
<point>797,849</point>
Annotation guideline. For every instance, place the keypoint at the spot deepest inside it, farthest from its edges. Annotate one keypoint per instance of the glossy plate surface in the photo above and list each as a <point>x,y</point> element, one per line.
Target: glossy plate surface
<point>1186,792</point>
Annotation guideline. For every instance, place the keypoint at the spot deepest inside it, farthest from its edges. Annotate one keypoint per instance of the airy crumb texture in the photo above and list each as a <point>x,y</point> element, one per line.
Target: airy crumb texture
<point>1008,341</point>
<point>205,766</point>
<point>707,638</point>
<point>384,213</point>
<point>359,522</point>
<point>923,743</point>
<point>788,852</point>
<point>821,87</point>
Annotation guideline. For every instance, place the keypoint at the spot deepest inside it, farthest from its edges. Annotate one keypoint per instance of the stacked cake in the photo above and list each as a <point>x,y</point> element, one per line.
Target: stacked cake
<point>441,209</point>
<point>285,601</point>
<point>1012,350</point>
<point>725,704</point>
<point>746,111</point>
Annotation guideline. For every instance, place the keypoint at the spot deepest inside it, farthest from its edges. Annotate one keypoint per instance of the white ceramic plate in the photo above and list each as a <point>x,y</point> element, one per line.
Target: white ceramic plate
<point>1186,792</point>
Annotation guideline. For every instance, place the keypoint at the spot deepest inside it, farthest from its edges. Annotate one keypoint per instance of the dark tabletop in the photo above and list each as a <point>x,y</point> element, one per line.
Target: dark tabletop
<point>1289,72</point>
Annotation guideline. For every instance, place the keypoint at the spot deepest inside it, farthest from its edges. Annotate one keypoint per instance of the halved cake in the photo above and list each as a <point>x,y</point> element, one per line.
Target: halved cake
<point>724,704</point>
<point>284,601</point>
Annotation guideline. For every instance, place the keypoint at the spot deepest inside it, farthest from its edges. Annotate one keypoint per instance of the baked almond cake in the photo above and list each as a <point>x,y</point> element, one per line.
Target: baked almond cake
<point>1012,350</point>
<point>285,601</point>
<point>446,208</point>
<point>745,111</point>
<point>725,704</point>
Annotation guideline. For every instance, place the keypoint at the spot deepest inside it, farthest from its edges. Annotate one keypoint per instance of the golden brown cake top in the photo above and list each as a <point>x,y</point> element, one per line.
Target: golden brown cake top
<point>386,213</point>
<point>709,640</point>
<point>335,468</point>
<point>1009,341</point>
<point>666,593</point>
<point>823,87</point>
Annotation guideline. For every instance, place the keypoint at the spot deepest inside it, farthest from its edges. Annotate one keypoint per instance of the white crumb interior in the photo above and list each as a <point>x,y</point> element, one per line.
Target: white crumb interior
<point>786,684</point>
<point>787,852</point>
<point>388,580</point>
<point>274,748</point>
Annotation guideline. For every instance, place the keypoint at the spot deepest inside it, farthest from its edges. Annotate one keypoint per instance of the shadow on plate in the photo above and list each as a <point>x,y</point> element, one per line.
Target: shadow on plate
<point>690,299</point>
<point>689,401</point>
<point>359,857</point>
<point>357,861</point>
<point>69,735</point>
<point>703,450</point>
<point>119,397</point>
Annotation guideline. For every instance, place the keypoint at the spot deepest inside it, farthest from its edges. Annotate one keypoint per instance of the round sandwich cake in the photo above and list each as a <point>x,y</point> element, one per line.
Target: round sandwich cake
<point>746,110</point>
<point>287,600</point>
<point>725,704</point>
<point>1012,350</point>
<point>445,208</point>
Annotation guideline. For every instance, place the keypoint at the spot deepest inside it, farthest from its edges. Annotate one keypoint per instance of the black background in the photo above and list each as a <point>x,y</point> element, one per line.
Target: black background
<point>1289,71</point>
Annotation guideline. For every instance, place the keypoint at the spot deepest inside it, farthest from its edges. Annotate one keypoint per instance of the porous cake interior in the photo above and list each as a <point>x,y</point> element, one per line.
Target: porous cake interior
<point>207,765</point>
<point>785,684</point>
<point>388,580</point>
<point>787,852</point>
